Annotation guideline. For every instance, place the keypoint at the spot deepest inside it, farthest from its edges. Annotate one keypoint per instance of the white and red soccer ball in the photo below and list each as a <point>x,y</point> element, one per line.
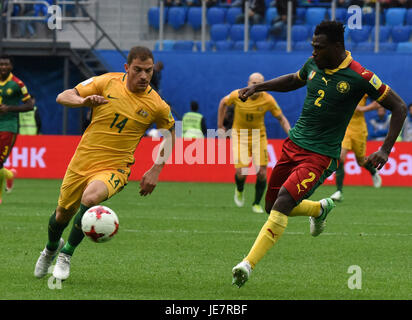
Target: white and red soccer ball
<point>100,223</point>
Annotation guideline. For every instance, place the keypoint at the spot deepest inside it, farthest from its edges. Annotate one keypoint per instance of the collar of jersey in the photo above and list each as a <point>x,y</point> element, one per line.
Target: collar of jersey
<point>345,63</point>
<point>2,83</point>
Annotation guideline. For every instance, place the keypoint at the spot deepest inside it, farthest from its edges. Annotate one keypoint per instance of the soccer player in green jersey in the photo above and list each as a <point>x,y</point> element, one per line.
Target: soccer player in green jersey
<point>335,84</point>
<point>14,98</point>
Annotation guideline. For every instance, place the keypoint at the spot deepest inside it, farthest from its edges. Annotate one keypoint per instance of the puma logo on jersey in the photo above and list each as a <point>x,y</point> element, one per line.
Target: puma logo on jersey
<point>326,81</point>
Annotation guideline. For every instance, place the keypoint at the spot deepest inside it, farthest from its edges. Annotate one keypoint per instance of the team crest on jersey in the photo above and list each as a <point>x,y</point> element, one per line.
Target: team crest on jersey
<point>9,91</point>
<point>142,113</point>
<point>343,86</point>
<point>311,75</point>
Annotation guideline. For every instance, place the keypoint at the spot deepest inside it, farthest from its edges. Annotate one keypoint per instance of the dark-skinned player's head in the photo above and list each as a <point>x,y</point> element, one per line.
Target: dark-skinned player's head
<point>328,44</point>
<point>6,66</point>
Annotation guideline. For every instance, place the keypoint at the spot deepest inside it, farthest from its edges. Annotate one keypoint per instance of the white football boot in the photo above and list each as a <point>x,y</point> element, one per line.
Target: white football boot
<point>239,198</point>
<point>337,196</point>
<point>317,225</point>
<point>377,180</point>
<point>241,273</point>
<point>61,270</point>
<point>45,260</point>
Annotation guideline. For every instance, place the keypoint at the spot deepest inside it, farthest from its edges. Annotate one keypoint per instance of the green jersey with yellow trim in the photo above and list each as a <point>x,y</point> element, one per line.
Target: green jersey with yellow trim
<point>12,93</point>
<point>331,98</point>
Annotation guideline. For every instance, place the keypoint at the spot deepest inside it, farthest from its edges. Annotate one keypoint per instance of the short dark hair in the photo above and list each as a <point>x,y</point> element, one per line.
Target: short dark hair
<point>334,31</point>
<point>142,53</point>
<point>194,106</point>
<point>6,57</point>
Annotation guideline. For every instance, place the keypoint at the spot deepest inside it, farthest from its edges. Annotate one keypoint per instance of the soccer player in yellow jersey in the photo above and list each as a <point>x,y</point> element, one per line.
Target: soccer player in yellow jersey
<point>249,137</point>
<point>355,140</point>
<point>123,106</point>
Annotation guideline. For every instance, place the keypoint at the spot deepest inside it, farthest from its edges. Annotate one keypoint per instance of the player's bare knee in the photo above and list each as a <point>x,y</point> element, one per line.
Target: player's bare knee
<point>268,207</point>
<point>91,199</point>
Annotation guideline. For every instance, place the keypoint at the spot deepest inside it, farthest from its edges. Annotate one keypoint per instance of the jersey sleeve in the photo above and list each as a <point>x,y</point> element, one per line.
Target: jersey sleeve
<point>273,107</point>
<point>304,71</point>
<point>23,92</point>
<point>91,86</point>
<point>373,86</point>
<point>164,118</point>
<point>231,97</point>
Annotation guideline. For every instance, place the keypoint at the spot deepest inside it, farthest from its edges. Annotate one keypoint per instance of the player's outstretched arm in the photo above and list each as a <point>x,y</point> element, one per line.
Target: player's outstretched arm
<point>71,98</point>
<point>285,83</point>
<point>151,177</point>
<point>397,106</point>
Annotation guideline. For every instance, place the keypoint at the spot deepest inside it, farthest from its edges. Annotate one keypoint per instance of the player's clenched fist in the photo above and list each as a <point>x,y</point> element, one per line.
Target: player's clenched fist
<point>94,100</point>
<point>246,93</point>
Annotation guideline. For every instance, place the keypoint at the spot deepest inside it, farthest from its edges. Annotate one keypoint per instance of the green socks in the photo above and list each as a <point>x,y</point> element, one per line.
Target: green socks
<point>240,183</point>
<point>76,234</point>
<point>340,175</point>
<point>370,168</point>
<point>55,231</point>
<point>259,190</point>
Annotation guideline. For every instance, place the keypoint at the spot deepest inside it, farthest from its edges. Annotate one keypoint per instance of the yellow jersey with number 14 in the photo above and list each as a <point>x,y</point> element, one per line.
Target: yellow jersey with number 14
<point>116,127</point>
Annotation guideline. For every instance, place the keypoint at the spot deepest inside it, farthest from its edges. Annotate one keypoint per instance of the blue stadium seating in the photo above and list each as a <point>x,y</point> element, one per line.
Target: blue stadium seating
<point>340,14</point>
<point>208,45</point>
<point>408,19</point>
<point>176,17</point>
<point>232,14</point>
<point>404,47</point>
<point>350,46</point>
<point>167,45</point>
<point>365,46</point>
<point>280,46</point>
<point>259,32</point>
<point>240,45</point>
<point>270,14</point>
<point>183,45</point>
<point>360,35</point>
<point>384,33</point>
<point>264,45</point>
<point>315,15</point>
<point>194,17</point>
<point>237,32</point>
<point>300,33</point>
<point>153,16</point>
<point>401,33</point>
<point>216,15</point>
<point>395,16</point>
<point>224,45</point>
<point>387,47</point>
<point>219,32</point>
<point>302,46</point>
<point>300,15</point>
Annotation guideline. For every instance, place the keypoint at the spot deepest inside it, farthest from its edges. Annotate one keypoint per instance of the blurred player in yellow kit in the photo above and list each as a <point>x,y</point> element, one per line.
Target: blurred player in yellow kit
<point>249,138</point>
<point>355,140</point>
<point>123,106</point>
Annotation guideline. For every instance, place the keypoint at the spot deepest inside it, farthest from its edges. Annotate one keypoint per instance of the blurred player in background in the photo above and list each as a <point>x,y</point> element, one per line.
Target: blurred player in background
<point>355,140</point>
<point>250,115</point>
<point>14,98</point>
<point>335,85</point>
<point>124,107</point>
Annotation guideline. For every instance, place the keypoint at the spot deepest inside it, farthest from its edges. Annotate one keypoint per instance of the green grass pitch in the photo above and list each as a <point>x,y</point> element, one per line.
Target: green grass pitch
<point>182,241</point>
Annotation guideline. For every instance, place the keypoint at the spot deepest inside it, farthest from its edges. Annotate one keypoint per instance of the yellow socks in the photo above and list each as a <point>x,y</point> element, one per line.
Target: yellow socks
<point>8,174</point>
<point>307,208</point>
<point>268,236</point>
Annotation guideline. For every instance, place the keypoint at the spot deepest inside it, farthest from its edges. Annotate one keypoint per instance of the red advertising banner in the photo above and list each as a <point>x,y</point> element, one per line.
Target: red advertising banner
<point>201,160</point>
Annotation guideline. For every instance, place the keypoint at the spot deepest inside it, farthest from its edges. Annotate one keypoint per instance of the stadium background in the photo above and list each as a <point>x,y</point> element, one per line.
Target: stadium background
<point>108,30</point>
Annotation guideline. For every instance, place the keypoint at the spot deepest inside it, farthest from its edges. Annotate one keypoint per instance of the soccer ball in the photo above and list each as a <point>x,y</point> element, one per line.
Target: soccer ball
<point>100,223</point>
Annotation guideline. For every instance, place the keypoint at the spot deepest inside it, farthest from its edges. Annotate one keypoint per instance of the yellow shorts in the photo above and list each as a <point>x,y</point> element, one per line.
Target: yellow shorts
<point>355,142</point>
<point>74,184</point>
<point>249,147</point>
